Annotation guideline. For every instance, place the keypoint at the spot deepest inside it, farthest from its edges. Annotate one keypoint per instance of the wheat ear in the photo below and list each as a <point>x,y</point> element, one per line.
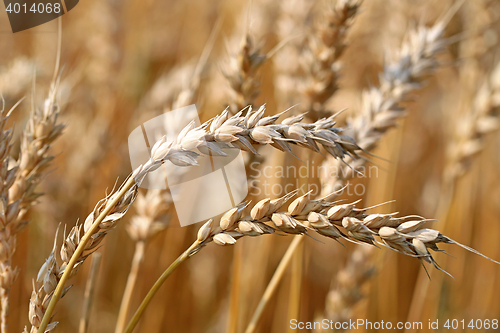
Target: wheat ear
<point>292,19</point>
<point>303,216</point>
<point>19,188</point>
<point>8,211</point>
<point>15,78</point>
<point>321,58</point>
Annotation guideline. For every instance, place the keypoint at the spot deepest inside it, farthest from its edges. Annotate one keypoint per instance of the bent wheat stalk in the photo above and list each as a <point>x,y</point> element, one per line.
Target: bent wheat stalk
<point>303,216</point>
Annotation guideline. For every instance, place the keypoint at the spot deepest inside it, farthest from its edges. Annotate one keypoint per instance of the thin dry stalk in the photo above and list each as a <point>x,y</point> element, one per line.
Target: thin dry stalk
<point>273,284</point>
<point>150,219</point>
<point>89,293</point>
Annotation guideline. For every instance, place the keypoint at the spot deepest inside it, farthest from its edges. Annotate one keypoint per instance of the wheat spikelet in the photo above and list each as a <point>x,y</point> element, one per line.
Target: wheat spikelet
<point>405,235</point>
<point>244,132</point>
<point>303,216</point>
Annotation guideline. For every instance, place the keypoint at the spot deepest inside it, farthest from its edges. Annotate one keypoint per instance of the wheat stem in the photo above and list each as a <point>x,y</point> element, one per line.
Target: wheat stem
<point>154,289</point>
<point>235,291</point>
<point>273,284</point>
<point>296,284</point>
<point>78,252</point>
<point>89,293</point>
<point>4,300</point>
<point>130,286</point>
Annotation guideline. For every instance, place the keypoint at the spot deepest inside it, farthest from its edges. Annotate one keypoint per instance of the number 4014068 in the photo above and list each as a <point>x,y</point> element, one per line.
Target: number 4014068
<point>473,324</point>
<point>40,8</point>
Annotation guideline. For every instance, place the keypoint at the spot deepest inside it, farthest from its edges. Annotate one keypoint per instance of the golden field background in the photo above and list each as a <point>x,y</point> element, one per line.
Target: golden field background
<point>113,53</point>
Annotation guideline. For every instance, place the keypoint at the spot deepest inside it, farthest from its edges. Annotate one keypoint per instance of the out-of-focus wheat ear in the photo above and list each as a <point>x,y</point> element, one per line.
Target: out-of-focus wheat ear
<point>346,288</point>
<point>467,142</point>
<point>241,72</point>
<point>293,18</point>
<point>381,104</point>
<point>472,129</point>
<point>321,57</point>
<point>19,182</point>
<point>411,63</point>
<point>16,78</point>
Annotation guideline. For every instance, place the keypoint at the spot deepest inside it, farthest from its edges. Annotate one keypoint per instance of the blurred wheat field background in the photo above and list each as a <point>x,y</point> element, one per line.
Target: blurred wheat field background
<point>125,62</point>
